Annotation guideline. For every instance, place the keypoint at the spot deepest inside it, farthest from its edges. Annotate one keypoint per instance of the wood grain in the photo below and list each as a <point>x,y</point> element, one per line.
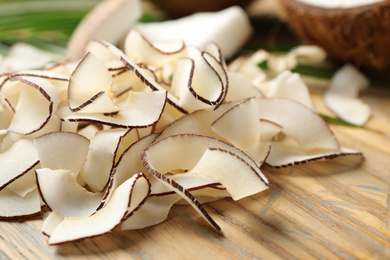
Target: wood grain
<point>337,209</point>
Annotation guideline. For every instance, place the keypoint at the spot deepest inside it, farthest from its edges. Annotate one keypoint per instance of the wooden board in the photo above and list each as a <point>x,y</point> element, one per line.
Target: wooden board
<point>337,209</point>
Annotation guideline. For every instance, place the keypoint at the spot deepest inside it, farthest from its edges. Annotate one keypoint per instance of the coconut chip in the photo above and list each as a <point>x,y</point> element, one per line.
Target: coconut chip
<point>125,199</point>
<point>342,95</point>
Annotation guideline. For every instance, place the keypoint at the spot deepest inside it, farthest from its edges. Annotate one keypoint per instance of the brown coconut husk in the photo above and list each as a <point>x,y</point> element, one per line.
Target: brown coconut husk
<point>360,35</point>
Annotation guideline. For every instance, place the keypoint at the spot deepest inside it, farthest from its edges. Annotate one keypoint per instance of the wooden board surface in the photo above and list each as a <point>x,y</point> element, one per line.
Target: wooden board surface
<point>337,209</point>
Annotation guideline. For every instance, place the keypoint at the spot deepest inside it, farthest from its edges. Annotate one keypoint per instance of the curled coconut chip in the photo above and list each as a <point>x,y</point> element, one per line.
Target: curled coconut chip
<point>342,96</point>
<point>113,139</point>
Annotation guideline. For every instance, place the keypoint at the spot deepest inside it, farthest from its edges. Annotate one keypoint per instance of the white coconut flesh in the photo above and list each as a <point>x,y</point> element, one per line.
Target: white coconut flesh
<point>61,192</point>
<point>90,87</point>
<point>17,161</point>
<point>339,3</point>
<point>342,95</point>
<point>71,156</point>
<point>14,207</point>
<point>101,156</point>
<point>125,199</point>
<point>203,28</point>
<point>37,102</point>
<point>25,184</point>
<point>162,198</point>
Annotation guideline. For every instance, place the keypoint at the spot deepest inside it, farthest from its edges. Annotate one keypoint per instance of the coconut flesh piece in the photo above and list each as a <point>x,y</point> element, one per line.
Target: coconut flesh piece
<point>239,178</point>
<point>193,92</point>
<point>89,88</point>
<point>17,161</point>
<point>248,66</point>
<point>142,109</point>
<point>15,207</point>
<point>123,202</point>
<point>312,136</point>
<point>140,49</point>
<point>240,88</point>
<point>146,78</point>
<point>340,3</point>
<point>51,222</point>
<point>25,184</point>
<point>100,49</point>
<point>71,156</point>
<point>342,95</point>
<point>245,115</point>
<point>37,102</point>
<point>198,122</point>
<point>58,80</point>
<point>103,150</point>
<point>289,85</point>
<point>22,56</point>
<point>305,53</point>
<point>61,192</point>
<point>202,28</point>
<point>6,113</point>
<point>176,146</point>
<point>99,24</point>
<point>162,198</point>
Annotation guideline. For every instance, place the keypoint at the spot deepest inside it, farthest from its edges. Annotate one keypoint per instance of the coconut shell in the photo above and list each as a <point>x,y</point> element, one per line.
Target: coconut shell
<point>359,35</point>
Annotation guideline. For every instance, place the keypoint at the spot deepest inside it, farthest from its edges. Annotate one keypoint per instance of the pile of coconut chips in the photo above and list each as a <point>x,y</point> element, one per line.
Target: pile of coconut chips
<point>113,140</point>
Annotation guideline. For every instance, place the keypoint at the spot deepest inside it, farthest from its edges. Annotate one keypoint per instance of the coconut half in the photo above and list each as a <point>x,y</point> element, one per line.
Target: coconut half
<point>354,31</point>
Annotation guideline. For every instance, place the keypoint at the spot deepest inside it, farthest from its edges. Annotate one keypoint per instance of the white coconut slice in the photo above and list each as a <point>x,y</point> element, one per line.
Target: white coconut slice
<point>299,122</point>
<point>144,76</point>
<point>6,112</point>
<point>23,56</point>
<point>154,211</point>
<point>61,192</point>
<point>101,158</point>
<point>124,200</point>
<point>239,125</point>
<point>9,139</point>
<point>17,161</point>
<point>62,151</point>
<point>269,130</point>
<point>240,88</point>
<point>290,85</point>
<point>304,53</point>
<point>142,109</point>
<point>130,162</point>
<point>259,152</point>
<point>51,222</point>
<point>140,49</point>
<point>52,125</point>
<point>198,122</point>
<point>184,153</point>
<point>99,24</point>
<point>25,184</point>
<point>15,207</point>
<point>89,88</point>
<point>60,81</point>
<point>239,178</point>
<point>342,95</point>
<point>162,198</point>
<point>190,86</point>
<point>100,50</point>
<point>248,66</point>
<point>283,155</point>
<point>202,28</point>
<point>37,102</point>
